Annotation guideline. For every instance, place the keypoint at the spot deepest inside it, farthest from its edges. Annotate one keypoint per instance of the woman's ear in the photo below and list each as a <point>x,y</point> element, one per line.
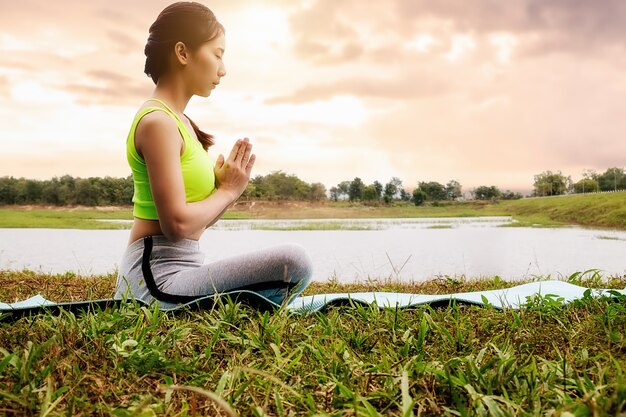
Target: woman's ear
<point>181,52</point>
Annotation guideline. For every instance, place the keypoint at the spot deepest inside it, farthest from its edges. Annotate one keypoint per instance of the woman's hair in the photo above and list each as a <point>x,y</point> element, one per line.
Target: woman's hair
<point>185,21</point>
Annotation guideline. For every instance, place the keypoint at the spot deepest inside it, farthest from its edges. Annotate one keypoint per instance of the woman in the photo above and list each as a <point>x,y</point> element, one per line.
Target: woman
<point>179,190</point>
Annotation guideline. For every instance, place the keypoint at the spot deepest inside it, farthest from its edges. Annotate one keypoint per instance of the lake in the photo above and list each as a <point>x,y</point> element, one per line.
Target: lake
<point>353,249</point>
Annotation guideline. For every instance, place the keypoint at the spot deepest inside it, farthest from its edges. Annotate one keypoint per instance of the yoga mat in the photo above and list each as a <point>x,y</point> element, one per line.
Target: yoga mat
<point>513,298</point>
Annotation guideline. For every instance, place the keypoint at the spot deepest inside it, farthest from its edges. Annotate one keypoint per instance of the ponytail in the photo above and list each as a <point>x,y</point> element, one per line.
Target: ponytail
<point>205,139</point>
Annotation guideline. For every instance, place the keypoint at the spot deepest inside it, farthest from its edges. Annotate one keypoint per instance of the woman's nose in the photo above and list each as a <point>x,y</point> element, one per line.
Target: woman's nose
<point>222,71</point>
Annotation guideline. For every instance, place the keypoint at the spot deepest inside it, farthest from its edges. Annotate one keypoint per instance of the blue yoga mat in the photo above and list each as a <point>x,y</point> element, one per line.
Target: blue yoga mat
<point>513,298</point>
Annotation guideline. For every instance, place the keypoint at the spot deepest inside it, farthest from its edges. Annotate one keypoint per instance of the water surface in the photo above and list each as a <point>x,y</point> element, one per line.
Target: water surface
<point>408,249</point>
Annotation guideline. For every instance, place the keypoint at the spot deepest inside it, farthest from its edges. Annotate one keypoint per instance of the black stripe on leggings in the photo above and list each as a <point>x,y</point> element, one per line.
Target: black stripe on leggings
<point>149,278</point>
<point>173,298</point>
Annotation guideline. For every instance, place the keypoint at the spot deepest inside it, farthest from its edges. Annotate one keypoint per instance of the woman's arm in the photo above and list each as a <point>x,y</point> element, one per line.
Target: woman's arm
<point>158,140</point>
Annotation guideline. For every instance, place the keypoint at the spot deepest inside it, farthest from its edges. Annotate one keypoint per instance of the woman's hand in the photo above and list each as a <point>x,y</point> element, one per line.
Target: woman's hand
<point>233,174</point>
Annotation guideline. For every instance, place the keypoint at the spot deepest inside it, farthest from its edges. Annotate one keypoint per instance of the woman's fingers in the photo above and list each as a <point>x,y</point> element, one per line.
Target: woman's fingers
<point>241,150</point>
<point>219,162</point>
<point>234,151</point>
<point>250,164</point>
<point>246,155</point>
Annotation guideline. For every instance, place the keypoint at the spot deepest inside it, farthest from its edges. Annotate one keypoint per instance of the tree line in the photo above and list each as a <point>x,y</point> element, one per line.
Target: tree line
<point>109,191</point>
<point>96,191</point>
<point>550,183</point>
<point>67,191</point>
<point>393,190</point>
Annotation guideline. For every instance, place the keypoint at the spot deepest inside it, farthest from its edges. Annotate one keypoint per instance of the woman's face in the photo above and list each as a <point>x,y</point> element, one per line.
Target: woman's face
<point>206,66</point>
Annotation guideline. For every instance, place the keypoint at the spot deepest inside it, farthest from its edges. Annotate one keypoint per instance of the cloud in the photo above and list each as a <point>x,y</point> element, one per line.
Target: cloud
<point>109,88</point>
<point>411,86</point>
<point>4,86</point>
<point>324,29</point>
<point>125,43</point>
<point>560,23</point>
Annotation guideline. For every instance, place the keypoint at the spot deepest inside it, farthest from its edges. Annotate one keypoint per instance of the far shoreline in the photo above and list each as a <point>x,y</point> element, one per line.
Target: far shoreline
<point>601,211</point>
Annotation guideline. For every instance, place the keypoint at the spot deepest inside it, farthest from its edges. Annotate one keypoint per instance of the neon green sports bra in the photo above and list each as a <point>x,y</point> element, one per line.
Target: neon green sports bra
<point>195,162</point>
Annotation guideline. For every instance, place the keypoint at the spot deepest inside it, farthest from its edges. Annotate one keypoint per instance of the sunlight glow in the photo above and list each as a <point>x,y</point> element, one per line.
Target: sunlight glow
<point>422,43</point>
<point>340,110</point>
<point>461,46</point>
<point>504,44</point>
<point>33,92</point>
<point>265,28</point>
<point>13,43</point>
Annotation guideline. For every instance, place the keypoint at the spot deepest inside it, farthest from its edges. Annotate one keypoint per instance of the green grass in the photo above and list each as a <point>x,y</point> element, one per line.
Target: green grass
<point>545,359</point>
<point>62,218</point>
<point>70,218</point>
<point>594,210</point>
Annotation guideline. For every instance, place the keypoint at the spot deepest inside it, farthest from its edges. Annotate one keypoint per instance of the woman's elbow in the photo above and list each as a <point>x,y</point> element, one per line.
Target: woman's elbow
<point>174,230</point>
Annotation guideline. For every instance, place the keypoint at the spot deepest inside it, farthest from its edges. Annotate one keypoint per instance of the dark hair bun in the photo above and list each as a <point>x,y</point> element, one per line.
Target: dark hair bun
<point>185,21</point>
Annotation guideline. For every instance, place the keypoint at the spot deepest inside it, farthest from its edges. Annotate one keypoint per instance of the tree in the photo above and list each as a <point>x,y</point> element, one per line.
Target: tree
<point>279,186</point>
<point>453,190</point>
<point>486,193</point>
<point>404,195</point>
<point>370,193</point>
<point>67,190</point>
<point>510,195</point>
<point>344,189</point>
<point>419,196</point>
<point>379,190</point>
<point>334,193</point>
<point>586,185</point>
<point>613,179</point>
<point>392,189</point>
<point>434,190</point>
<point>356,189</point>
<point>318,192</point>
<point>8,192</point>
<point>87,192</point>
<point>50,192</point>
<point>551,183</point>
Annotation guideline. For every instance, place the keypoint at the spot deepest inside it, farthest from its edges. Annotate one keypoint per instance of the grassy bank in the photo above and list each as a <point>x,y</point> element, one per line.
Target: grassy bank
<point>545,359</point>
<point>63,218</point>
<point>70,217</point>
<point>592,210</point>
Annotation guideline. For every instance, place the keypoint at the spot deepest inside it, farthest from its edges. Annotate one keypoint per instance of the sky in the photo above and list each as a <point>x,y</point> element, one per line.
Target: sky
<point>485,92</point>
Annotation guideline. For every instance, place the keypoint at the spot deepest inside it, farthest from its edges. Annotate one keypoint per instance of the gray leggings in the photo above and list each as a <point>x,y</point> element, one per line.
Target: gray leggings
<point>174,272</point>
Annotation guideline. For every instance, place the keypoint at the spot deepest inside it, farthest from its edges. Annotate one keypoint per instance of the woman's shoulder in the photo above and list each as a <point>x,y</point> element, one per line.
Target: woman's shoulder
<point>155,125</point>
<point>149,107</point>
<point>150,113</point>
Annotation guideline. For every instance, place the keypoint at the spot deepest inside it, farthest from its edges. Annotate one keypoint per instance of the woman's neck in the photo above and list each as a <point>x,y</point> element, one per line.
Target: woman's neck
<point>173,94</point>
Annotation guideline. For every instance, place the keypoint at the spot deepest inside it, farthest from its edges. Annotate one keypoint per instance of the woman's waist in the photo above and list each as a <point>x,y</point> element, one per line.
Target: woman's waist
<point>142,228</point>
